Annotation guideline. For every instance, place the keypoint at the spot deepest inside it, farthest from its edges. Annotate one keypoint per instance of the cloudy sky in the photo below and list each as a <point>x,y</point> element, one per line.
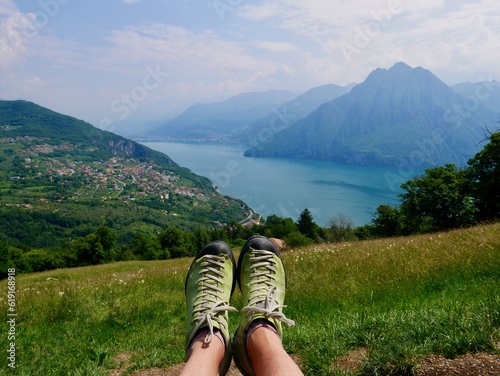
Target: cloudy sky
<point>116,62</point>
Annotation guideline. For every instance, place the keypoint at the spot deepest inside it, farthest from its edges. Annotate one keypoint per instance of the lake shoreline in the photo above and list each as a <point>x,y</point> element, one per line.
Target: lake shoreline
<point>285,186</point>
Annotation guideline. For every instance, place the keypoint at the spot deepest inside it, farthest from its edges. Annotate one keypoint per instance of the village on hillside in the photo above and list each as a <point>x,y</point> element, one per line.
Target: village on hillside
<point>125,179</point>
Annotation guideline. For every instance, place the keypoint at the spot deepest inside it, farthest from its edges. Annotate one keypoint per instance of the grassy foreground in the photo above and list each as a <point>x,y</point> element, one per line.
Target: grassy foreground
<point>396,299</point>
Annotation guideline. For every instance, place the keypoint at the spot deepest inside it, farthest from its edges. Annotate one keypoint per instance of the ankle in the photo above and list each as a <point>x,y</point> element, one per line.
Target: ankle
<point>205,359</point>
<point>261,323</point>
<point>200,340</point>
<point>263,342</point>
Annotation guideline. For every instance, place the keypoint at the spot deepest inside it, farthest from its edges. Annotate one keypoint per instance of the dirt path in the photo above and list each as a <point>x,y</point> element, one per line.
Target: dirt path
<point>172,371</point>
<point>480,364</point>
<point>466,365</point>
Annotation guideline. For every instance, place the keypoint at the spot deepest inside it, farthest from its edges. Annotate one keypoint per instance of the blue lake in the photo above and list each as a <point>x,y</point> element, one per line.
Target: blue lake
<point>287,186</point>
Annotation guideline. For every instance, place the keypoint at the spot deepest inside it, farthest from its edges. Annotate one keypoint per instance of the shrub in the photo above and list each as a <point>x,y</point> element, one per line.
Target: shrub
<point>297,239</point>
<point>41,259</point>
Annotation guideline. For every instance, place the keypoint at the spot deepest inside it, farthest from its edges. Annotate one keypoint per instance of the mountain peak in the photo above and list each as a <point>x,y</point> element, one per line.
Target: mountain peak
<point>402,78</point>
<point>399,69</point>
<point>400,66</point>
<point>382,121</point>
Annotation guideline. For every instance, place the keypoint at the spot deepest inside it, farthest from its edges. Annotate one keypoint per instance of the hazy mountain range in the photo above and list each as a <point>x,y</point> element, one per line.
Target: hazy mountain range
<point>239,117</point>
<point>223,121</point>
<point>396,116</point>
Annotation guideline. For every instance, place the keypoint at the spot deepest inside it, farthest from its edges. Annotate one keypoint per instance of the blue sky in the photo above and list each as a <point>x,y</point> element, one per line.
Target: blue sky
<point>120,64</point>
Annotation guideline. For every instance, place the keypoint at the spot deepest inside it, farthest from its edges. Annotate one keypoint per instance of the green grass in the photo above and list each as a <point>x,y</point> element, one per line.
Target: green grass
<point>396,299</point>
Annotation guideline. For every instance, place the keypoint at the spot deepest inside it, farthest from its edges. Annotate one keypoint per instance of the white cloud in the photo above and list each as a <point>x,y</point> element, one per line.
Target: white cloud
<point>275,46</point>
<point>23,35</point>
<point>354,37</point>
<point>182,51</point>
<point>7,7</point>
<point>16,31</point>
<point>319,18</point>
<point>464,39</point>
<point>261,12</point>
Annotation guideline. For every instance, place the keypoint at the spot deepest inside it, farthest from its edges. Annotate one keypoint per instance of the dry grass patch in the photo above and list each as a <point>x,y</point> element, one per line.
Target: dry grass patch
<point>352,362</point>
<point>466,365</point>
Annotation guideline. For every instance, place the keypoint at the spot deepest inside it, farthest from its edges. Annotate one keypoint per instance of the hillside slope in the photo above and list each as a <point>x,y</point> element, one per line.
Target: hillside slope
<point>486,92</point>
<point>404,304</point>
<point>61,178</point>
<point>26,119</point>
<point>291,112</point>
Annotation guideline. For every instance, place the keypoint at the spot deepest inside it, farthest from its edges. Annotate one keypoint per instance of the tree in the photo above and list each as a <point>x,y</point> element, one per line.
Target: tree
<point>484,179</point>
<point>306,225</point>
<point>146,247</point>
<point>89,250</point>
<point>365,232</point>
<point>387,221</point>
<point>277,227</point>
<point>201,237</point>
<point>11,257</point>
<point>173,240</point>
<point>341,228</point>
<point>235,230</point>
<point>437,201</point>
<point>107,237</point>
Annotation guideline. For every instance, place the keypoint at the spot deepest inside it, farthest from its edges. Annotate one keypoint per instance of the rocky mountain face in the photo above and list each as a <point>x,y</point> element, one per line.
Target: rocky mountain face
<point>291,112</point>
<point>397,116</point>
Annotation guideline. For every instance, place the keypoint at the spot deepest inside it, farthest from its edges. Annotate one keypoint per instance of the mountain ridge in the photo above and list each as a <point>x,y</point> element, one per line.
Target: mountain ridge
<point>222,121</point>
<point>380,122</point>
<point>292,111</point>
<point>67,127</point>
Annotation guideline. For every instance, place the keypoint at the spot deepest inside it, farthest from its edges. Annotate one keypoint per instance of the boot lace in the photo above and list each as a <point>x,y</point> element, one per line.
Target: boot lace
<point>262,297</point>
<point>210,300</point>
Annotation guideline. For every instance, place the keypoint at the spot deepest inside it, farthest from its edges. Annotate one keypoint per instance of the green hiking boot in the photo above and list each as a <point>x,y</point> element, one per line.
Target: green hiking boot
<point>209,285</point>
<point>262,280</point>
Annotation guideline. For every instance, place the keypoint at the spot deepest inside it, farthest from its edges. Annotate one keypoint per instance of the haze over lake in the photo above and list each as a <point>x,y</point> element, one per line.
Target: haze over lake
<point>285,187</point>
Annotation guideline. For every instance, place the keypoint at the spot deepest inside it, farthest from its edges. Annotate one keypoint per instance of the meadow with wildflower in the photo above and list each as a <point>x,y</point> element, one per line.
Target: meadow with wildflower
<point>394,301</point>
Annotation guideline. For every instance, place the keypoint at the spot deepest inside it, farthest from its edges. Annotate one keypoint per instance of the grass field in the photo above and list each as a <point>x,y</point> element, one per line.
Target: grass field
<point>395,300</point>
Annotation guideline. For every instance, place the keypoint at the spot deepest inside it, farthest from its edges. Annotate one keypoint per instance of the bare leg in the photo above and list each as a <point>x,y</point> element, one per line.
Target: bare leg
<point>268,356</point>
<point>204,359</point>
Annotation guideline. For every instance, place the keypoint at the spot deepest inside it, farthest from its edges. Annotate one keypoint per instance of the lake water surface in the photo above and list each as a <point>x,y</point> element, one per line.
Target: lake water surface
<point>287,186</point>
